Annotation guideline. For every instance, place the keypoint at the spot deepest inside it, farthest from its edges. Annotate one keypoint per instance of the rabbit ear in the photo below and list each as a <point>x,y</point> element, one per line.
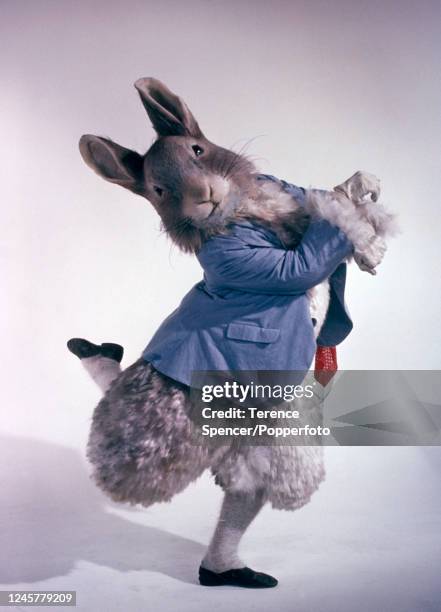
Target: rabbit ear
<point>169,115</point>
<point>113,162</point>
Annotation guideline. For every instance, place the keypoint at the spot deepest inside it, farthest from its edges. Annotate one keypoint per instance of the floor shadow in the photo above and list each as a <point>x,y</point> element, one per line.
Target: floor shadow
<point>52,516</point>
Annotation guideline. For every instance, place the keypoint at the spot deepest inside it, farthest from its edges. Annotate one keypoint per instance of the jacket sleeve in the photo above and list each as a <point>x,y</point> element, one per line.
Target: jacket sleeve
<point>231,263</point>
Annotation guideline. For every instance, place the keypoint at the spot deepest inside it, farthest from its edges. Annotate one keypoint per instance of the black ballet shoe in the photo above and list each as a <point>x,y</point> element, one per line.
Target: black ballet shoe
<point>243,577</point>
<point>83,348</point>
<point>112,351</point>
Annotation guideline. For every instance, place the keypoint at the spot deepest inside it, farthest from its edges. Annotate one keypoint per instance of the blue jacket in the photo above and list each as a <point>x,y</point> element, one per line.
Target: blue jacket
<point>250,311</point>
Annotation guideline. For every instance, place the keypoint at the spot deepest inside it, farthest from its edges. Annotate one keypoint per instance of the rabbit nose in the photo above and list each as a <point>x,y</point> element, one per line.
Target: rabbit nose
<point>200,201</point>
<point>215,191</point>
<point>219,188</point>
<point>213,197</point>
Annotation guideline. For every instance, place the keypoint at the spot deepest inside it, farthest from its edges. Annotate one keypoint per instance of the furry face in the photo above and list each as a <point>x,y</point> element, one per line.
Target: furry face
<point>193,184</point>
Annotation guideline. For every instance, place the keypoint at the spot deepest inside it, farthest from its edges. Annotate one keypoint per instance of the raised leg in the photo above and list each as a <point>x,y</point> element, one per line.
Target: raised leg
<point>102,370</point>
<point>222,564</point>
<point>102,362</point>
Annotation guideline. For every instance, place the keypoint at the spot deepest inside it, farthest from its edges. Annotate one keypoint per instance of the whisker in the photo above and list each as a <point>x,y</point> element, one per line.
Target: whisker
<point>248,141</point>
<point>240,156</point>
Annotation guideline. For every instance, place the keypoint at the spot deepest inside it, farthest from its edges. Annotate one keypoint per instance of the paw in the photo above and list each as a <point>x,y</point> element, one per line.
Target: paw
<point>359,186</point>
<point>370,257</point>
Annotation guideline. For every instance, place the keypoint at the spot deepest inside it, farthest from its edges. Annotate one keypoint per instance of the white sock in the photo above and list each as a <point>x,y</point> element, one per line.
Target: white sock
<point>237,512</point>
<point>102,370</point>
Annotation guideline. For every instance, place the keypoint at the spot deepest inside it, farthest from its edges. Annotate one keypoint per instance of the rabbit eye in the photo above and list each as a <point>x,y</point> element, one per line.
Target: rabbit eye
<point>197,150</point>
<point>158,190</point>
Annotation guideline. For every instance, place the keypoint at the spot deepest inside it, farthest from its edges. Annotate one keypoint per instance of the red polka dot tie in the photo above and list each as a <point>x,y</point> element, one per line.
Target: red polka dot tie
<point>325,364</point>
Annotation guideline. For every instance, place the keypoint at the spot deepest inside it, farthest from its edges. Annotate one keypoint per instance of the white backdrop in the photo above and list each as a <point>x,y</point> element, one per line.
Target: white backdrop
<point>327,88</point>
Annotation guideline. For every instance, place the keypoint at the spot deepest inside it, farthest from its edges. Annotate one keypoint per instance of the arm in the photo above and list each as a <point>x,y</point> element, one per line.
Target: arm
<point>231,263</point>
<point>365,223</point>
<point>365,231</point>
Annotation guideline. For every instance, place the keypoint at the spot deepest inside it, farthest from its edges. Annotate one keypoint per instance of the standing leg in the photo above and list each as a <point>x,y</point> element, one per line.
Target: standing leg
<point>102,362</point>
<point>221,564</point>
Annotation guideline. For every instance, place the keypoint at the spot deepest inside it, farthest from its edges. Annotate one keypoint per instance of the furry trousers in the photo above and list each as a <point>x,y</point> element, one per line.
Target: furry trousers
<point>144,448</point>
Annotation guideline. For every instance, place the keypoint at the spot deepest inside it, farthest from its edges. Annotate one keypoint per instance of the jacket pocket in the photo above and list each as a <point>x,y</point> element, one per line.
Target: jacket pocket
<point>252,333</point>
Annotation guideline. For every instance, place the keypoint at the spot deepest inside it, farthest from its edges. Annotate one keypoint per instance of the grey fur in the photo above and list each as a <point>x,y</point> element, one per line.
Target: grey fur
<point>144,448</point>
<point>142,442</point>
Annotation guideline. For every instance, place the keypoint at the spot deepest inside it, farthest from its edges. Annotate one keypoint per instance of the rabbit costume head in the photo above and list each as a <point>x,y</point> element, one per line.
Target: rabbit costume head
<point>193,184</point>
